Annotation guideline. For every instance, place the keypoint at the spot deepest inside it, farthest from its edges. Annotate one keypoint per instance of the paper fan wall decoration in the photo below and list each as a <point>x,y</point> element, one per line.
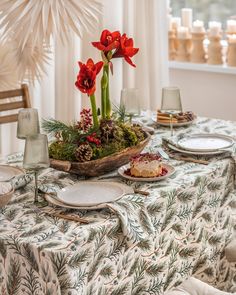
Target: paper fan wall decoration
<point>31,60</point>
<point>38,20</point>
<point>30,24</point>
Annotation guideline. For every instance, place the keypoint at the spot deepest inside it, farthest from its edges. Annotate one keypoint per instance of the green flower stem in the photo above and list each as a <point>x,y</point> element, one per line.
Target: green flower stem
<point>108,102</point>
<point>94,110</point>
<point>103,93</point>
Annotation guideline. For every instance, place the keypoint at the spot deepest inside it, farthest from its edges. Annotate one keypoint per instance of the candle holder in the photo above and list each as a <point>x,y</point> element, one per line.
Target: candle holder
<point>230,33</point>
<point>183,50</point>
<point>231,53</point>
<point>214,50</point>
<point>172,44</point>
<point>198,54</point>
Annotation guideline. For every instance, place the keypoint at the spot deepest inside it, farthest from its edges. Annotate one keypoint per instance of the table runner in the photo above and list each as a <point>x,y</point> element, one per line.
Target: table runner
<point>191,215</point>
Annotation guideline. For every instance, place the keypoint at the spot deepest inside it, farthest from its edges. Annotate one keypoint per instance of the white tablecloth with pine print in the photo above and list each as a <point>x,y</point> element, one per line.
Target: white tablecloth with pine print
<point>190,212</point>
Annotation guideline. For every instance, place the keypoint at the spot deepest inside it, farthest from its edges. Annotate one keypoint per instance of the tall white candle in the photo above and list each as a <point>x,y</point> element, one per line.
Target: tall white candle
<point>187,17</point>
<point>182,33</point>
<point>231,26</point>
<point>176,23</point>
<point>198,27</point>
<point>214,28</point>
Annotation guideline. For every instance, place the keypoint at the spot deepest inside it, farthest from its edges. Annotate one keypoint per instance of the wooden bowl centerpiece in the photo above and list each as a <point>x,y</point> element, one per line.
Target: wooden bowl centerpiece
<point>94,153</point>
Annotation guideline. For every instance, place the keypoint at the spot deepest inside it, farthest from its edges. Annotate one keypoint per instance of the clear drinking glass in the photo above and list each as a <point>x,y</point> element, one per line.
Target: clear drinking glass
<point>36,156</point>
<point>28,123</point>
<point>171,103</point>
<point>130,100</point>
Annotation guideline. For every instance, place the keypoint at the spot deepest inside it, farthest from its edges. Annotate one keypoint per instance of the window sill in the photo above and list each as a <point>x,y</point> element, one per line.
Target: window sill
<point>221,69</point>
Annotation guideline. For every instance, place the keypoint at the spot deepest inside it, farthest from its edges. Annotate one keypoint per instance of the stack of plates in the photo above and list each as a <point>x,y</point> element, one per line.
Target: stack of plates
<point>203,144</point>
<point>89,194</point>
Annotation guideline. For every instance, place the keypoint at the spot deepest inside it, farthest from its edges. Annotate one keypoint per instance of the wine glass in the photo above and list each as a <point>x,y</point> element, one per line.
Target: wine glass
<point>171,103</point>
<point>130,101</point>
<point>28,123</point>
<point>36,157</point>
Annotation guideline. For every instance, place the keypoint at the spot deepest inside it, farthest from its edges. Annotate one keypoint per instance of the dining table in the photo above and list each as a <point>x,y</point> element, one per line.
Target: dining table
<point>139,244</point>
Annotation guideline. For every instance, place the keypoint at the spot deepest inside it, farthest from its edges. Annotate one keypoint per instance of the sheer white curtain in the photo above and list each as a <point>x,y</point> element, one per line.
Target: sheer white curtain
<point>56,96</point>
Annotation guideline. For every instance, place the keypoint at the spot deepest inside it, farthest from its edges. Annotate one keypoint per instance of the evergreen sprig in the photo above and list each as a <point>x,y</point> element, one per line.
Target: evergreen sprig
<point>53,126</point>
<point>120,112</point>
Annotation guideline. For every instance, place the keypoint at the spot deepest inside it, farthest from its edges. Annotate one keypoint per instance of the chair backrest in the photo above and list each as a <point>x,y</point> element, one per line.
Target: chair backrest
<point>24,102</point>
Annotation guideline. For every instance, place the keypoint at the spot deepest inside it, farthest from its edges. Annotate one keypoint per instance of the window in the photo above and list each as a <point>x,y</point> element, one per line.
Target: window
<point>206,10</point>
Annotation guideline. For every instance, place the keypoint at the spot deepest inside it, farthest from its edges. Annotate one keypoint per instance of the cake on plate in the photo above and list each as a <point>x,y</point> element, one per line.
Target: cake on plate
<point>147,165</point>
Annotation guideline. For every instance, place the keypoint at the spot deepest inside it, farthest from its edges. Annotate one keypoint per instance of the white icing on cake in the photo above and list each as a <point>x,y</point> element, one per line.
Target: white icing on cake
<point>146,165</point>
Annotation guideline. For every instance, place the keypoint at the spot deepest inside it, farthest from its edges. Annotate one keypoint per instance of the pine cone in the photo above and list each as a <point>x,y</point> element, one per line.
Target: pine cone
<point>84,153</point>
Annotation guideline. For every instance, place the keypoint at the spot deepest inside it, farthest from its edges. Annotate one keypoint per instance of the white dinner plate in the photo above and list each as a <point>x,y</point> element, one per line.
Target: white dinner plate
<point>205,142</point>
<point>181,124</point>
<point>9,172</point>
<point>92,193</point>
<point>54,201</point>
<point>169,168</point>
<point>197,153</point>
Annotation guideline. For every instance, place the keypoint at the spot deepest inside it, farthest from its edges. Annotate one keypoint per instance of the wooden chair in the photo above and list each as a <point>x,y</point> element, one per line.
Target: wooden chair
<point>24,102</point>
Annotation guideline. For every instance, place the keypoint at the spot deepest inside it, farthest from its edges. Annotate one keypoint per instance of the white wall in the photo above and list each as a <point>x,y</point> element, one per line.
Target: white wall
<point>206,93</point>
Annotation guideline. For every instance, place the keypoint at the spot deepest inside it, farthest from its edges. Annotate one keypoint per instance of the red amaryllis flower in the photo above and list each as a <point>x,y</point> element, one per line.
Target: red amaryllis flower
<point>86,79</point>
<point>108,41</point>
<point>126,49</point>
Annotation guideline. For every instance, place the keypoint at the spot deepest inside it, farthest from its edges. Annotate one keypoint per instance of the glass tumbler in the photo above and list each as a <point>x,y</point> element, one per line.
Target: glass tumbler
<point>28,123</point>
<point>130,101</point>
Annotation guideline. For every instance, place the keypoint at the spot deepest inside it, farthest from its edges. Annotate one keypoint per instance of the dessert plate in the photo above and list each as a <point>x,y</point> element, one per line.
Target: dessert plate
<point>92,193</point>
<point>9,172</point>
<point>180,124</point>
<point>205,142</point>
<point>170,170</point>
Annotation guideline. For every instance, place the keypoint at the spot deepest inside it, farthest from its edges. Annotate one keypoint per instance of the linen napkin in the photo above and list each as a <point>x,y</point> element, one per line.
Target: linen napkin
<point>194,286</point>
<point>135,222</point>
<point>21,180</point>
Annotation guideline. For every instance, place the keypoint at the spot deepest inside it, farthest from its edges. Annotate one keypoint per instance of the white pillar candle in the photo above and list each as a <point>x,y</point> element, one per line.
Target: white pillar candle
<point>176,23</point>
<point>187,17</point>
<point>231,26</point>
<point>214,28</point>
<point>232,38</point>
<point>182,33</point>
<point>198,27</point>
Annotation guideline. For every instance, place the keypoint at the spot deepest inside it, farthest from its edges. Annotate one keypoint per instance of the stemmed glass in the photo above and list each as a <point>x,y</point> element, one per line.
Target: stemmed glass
<point>171,103</point>
<point>130,101</point>
<point>36,157</point>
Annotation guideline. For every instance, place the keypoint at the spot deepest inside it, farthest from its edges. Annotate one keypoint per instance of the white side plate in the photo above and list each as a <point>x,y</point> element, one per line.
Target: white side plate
<point>169,168</point>
<point>92,193</point>
<point>9,172</point>
<point>205,142</point>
